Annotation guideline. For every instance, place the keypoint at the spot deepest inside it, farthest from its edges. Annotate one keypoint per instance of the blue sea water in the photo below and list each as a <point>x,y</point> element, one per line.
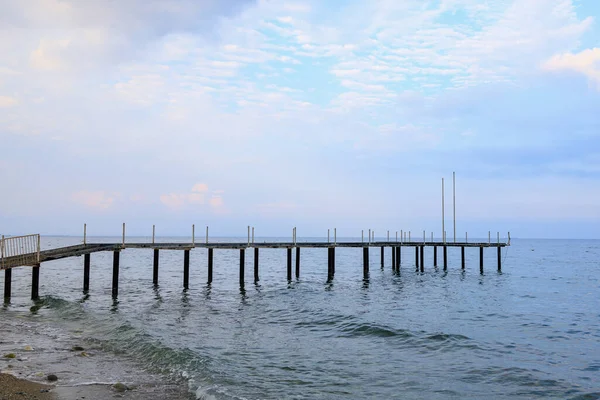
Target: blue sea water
<point>531,331</point>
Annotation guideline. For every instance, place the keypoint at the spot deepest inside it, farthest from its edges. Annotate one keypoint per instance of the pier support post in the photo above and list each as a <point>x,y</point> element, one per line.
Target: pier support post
<point>256,279</point>
<point>186,269</point>
<point>242,265</point>
<point>394,265</point>
<point>332,262</point>
<point>462,257</point>
<point>297,262</point>
<point>435,256</point>
<point>422,258</point>
<point>35,282</point>
<point>417,258</point>
<point>365,262</point>
<point>382,256</point>
<point>86,272</point>
<point>155,267</point>
<point>445,250</point>
<point>115,276</point>
<point>499,259</point>
<point>289,264</point>
<point>481,259</point>
<point>7,283</point>
<point>210,265</point>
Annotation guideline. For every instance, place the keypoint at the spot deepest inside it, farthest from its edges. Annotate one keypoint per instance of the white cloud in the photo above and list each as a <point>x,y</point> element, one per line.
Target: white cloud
<point>200,188</point>
<point>196,197</point>
<point>98,200</point>
<point>7,101</point>
<point>586,62</point>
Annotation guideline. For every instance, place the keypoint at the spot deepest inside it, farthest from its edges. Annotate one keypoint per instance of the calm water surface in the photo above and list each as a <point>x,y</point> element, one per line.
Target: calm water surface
<point>532,331</point>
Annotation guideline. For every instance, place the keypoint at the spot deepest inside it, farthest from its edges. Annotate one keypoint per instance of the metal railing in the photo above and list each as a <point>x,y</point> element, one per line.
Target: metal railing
<point>17,251</point>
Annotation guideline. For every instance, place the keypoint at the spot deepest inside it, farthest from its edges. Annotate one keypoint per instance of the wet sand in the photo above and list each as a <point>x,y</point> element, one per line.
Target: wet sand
<point>15,388</point>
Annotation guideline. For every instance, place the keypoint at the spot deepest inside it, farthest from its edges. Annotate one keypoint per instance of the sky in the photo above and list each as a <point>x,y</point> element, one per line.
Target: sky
<point>311,114</point>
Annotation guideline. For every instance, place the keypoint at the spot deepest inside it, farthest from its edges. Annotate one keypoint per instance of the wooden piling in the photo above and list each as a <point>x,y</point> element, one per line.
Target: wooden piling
<point>86,272</point>
<point>115,277</point>
<point>289,264</point>
<point>210,265</point>
<point>462,257</point>
<point>383,254</point>
<point>155,267</point>
<point>394,264</point>
<point>422,258</point>
<point>481,259</point>
<point>297,262</point>
<point>256,278</point>
<point>333,261</point>
<point>329,263</point>
<point>7,283</point>
<point>242,265</point>
<point>417,257</point>
<point>435,256</point>
<point>499,259</point>
<point>186,268</point>
<point>445,251</point>
<point>366,262</point>
<point>398,257</point>
<point>35,282</point>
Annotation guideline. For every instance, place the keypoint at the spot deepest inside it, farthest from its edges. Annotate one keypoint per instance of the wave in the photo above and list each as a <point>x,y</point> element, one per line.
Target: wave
<point>113,334</point>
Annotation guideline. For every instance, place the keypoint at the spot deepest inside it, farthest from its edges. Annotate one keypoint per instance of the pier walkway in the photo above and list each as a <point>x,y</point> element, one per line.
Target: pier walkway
<point>25,251</point>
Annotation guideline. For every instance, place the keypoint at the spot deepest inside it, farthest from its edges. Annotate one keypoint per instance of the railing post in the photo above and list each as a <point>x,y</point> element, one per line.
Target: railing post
<point>153,232</point>
<point>39,242</point>
<point>84,234</point>
<point>193,235</point>
<point>123,234</point>
<point>2,252</point>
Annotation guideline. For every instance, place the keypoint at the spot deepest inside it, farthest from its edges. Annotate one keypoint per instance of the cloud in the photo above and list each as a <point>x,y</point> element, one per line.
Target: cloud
<point>200,188</point>
<point>7,101</point>
<point>386,89</point>
<point>196,196</point>
<point>586,62</point>
<point>98,200</point>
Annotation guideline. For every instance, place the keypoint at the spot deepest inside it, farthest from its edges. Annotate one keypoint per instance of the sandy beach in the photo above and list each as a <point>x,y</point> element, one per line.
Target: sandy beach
<point>32,350</point>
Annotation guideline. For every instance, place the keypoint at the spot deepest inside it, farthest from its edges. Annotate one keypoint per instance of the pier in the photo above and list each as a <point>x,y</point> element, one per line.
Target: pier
<point>24,251</point>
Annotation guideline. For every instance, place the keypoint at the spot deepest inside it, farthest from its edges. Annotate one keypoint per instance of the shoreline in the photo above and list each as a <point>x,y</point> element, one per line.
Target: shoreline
<point>31,349</point>
<point>13,387</point>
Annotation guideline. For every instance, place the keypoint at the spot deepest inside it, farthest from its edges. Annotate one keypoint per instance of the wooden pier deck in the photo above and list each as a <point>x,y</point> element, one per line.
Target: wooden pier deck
<point>35,257</point>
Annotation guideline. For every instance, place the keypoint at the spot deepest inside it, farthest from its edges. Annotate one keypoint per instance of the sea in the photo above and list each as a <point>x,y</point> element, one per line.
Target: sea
<point>531,331</point>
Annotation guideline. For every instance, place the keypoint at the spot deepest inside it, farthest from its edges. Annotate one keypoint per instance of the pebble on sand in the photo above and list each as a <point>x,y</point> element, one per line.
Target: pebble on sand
<point>52,378</point>
<point>120,387</point>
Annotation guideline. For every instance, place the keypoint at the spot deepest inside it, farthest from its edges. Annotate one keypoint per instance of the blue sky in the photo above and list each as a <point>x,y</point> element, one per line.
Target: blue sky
<point>312,114</point>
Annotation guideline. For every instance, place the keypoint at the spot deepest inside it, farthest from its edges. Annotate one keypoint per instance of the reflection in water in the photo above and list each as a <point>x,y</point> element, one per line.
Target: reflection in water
<point>243,296</point>
<point>207,291</point>
<point>85,298</point>
<point>115,305</point>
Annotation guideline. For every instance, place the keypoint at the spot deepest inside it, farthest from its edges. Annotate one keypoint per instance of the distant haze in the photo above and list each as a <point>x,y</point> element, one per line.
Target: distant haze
<point>312,114</point>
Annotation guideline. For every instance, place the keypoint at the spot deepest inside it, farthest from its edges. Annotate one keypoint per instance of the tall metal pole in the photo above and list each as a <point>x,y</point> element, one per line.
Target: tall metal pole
<point>443,227</point>
<point>454,204</point>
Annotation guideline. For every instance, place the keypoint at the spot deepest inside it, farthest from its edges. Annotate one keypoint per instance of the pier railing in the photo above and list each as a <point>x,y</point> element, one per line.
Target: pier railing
<point>18,251</point>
